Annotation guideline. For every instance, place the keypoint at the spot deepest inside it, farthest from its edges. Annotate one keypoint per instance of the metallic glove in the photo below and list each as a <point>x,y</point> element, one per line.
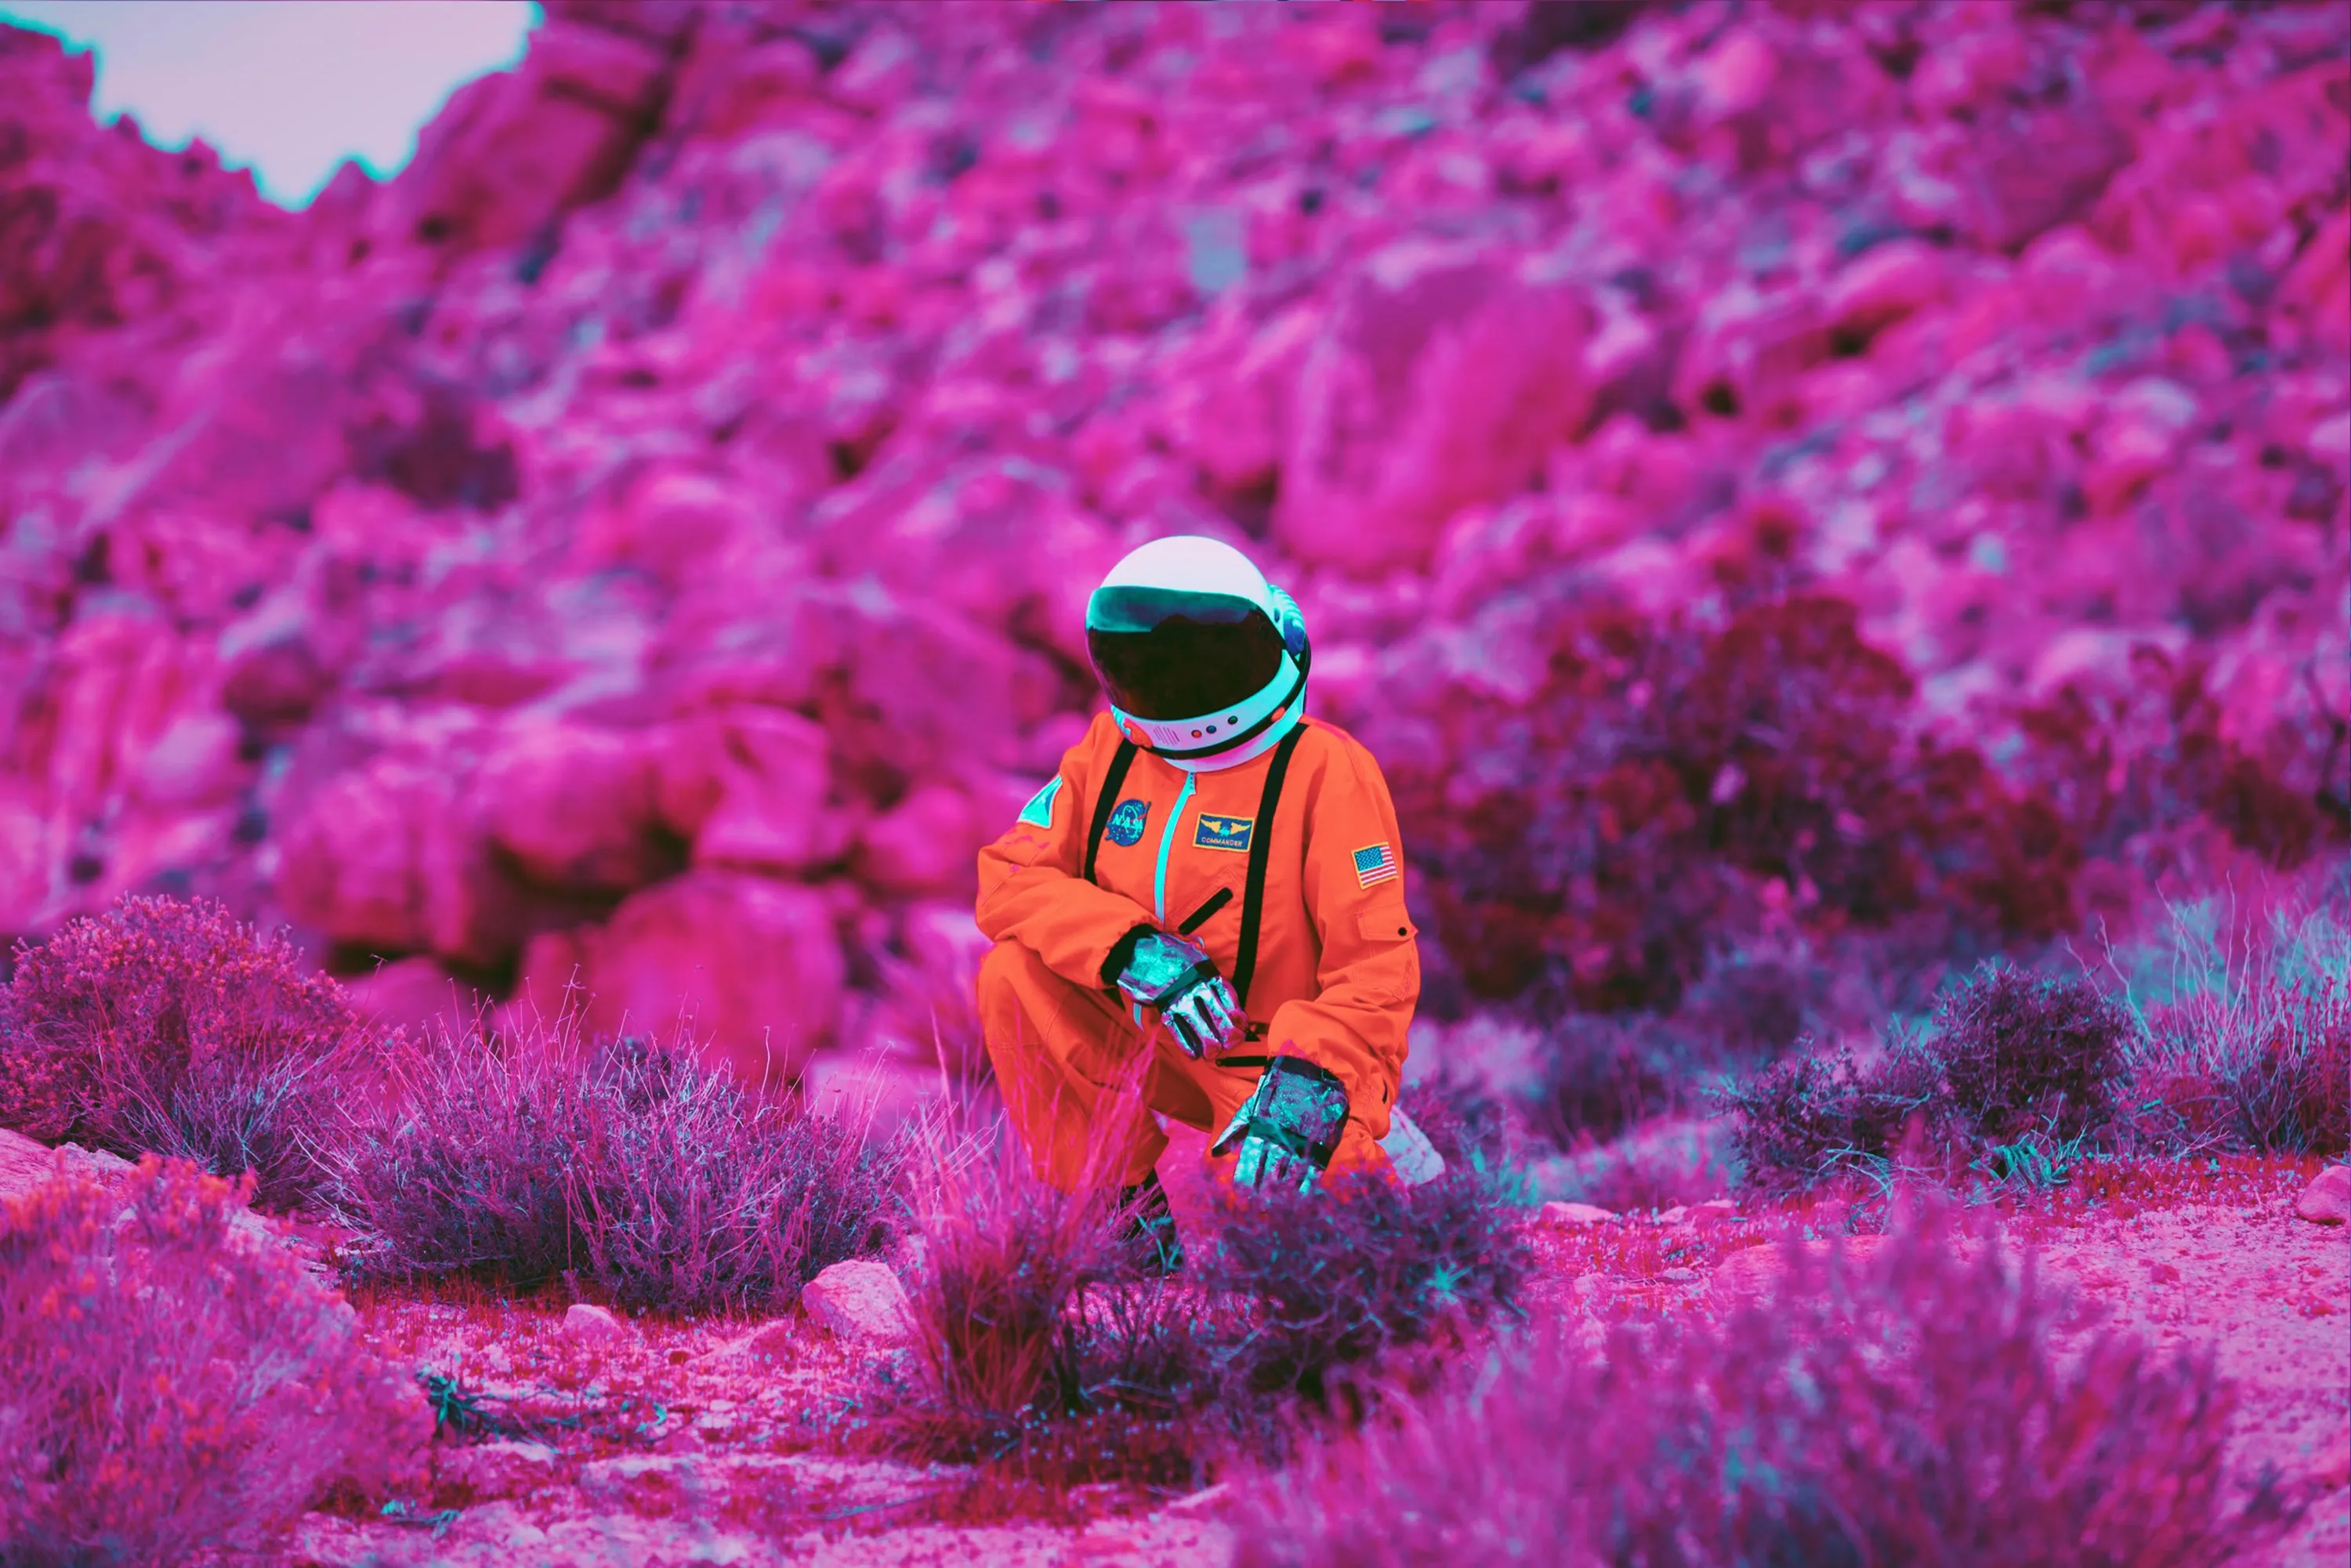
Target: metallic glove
<point>1289,1128</point>
<point>1175,974</point>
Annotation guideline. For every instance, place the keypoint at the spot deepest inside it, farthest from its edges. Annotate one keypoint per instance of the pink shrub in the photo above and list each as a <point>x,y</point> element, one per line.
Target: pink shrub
<point>534,1157</point>
<point>1334,1279</point>
<point>1924,1407</point>
<point>2022,1054</point>
<point>169,1027</point>
<point>171,1383</point>
<point>2247,1016</point>
<point>1595,841</point>
<point>2018,1075</point>
<point>1810,1118</point>
<point>1035,1348</point>
<point>2271,1074</point>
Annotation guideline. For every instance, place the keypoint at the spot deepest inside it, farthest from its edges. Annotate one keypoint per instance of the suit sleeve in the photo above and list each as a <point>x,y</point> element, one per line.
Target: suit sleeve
<point>1368,975</point>
<point>1030,887</point>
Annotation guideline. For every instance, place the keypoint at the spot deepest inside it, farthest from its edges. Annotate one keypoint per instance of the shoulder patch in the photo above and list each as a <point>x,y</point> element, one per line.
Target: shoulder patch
<point>1224,833</point>
<point>1126,823</point>
<point>1038,812</point>
<point>1375,863</point>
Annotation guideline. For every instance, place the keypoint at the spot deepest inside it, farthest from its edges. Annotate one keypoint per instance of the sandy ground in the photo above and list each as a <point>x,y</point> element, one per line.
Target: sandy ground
<point>730,1442</point>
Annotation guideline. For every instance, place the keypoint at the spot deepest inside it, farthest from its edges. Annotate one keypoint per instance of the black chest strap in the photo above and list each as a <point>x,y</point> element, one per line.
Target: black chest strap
<point>1260,844</point>
<point>1106,802</point>
<point>1261,853</point>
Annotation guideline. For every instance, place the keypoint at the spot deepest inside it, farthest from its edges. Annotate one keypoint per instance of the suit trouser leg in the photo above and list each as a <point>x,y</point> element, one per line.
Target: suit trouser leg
<point>1067,1063</point>
<point>1062,1052</point>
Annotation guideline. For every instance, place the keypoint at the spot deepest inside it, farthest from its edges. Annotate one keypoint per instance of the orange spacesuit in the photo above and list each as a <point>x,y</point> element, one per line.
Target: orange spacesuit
<point>1287,868</point>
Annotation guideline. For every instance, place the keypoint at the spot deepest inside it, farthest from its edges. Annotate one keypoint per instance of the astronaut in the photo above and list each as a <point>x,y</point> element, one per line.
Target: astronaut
<point>1208,900</point>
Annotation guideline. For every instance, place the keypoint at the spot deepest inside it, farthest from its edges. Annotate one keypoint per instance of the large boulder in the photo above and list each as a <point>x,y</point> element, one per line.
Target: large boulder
<point>916,687</point>
<point>748,787</point>
<point>392,856</point>
<point>25,1165</point>
<point>572,806</point>
<point>679,525</point>
<point>926,843</point>
<point>1445,375</point>
<point>1000,540</point>
<point>752,967</point>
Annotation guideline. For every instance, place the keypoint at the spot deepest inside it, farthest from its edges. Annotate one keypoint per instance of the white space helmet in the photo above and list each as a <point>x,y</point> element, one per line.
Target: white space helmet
<point>1204,661</point>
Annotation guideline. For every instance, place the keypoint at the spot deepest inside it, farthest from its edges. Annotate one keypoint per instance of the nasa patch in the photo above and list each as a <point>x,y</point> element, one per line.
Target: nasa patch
<point>1223,833</point>
<point>1126,822</point>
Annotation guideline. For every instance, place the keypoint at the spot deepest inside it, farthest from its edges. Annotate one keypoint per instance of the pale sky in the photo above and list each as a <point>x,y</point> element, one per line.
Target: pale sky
<point>286,87</point>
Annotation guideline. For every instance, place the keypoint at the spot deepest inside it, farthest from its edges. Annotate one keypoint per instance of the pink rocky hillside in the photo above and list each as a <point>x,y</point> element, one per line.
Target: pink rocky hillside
<point>643,543</point>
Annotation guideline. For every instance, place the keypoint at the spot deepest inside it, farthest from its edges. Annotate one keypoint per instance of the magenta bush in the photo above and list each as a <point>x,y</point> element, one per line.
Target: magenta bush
<point>691,1193</point>
<point>2024,1054</point>
<point>172,1382</point>
<point>1331,1280</point>
<point>1596,843</point>
<point>528,1158</point>
<point>1038,1351</point>
<point>1810,1118</point>
<point>1917,1410</point>
<point>2269,1072</point>
<point>2017,1076</point>
<point>1464,1120</point>
<point>169,1027</point>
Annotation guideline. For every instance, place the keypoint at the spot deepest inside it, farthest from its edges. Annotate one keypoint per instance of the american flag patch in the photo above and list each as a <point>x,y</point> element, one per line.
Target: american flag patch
<point>1375,863</point>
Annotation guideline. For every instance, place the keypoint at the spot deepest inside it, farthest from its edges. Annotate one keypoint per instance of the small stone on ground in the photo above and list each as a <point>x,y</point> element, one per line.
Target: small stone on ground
<point>2327,1200</point>
<point>595,1325</point>
<point>858,1300</point>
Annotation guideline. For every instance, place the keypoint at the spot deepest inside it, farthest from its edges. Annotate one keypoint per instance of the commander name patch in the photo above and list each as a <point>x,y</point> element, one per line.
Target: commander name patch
<point>1223,832</point>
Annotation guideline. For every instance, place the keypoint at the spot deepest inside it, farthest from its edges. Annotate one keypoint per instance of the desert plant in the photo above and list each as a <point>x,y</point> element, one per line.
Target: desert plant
<point>1809,1117</point>
<point>2269,1073</point>
<point>459,1167</point>
<point>1591,841</point>
<point>169,1027</point>
<point>530,1156</point>
<point>2015,1081</point>
<point>1037,1347</point>
<point>2026,1054</point>
<point>2247,1040</point>
<point>1335,1278</point>
<point>1604,1073</point>
<point>1915,1408</point>
<point>171,1382</point>
<point>691,1193</point>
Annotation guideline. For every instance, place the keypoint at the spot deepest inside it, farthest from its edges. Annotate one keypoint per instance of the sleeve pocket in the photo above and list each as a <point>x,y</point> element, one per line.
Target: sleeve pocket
<point>1384,925</point>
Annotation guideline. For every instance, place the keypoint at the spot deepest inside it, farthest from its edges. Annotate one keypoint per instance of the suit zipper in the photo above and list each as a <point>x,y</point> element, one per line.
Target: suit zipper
<point>1166,842</point>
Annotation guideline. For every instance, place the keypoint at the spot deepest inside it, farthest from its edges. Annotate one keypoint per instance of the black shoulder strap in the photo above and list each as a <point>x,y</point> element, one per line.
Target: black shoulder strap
<point>1107,801</point>
<point>1261,851</point>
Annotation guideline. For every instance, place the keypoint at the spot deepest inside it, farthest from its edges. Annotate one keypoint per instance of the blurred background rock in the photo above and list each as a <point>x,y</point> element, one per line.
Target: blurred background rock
<point>1799,497</point>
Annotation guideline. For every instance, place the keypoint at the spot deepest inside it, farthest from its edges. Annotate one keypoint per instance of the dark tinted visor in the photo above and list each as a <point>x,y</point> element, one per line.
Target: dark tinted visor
<point>1166,653</point>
